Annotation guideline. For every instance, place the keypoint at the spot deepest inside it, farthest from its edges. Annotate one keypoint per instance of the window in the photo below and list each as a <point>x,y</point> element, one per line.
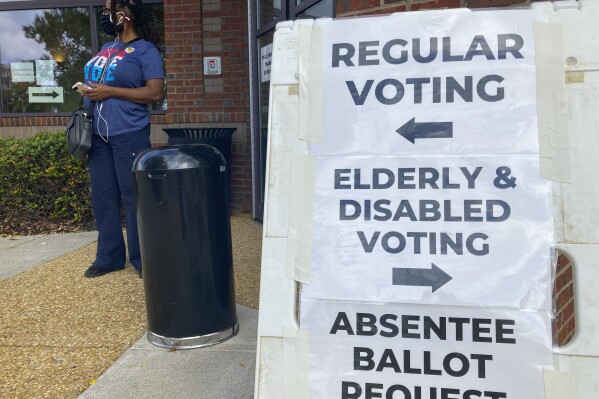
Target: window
<point>323,8</point>
<point>268,11</point>
<point>265,15</point>
<point>43,52</point>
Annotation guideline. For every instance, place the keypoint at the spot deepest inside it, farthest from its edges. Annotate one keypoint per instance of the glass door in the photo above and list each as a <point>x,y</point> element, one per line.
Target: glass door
<point>265,15</point>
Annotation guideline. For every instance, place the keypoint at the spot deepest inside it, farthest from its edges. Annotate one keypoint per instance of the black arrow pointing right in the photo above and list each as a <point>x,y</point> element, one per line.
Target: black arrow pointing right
<point>434,277</point>
<point>427,130</point>
<point>53,94</point>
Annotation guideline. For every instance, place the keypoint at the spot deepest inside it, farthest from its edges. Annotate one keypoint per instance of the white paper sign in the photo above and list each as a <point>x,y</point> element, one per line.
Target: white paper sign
<point>450,81</point>
<point>429,212</point>
<point>442,230</point>
<point>45,72</point>
<point>22,72</point>
<point>265,62</point>
<point>46,94</point>
<point>365,351</point>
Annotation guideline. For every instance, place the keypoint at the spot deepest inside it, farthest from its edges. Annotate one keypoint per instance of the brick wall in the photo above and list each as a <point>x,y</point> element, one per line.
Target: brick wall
<point>564,324</point>
<point>347,8</point>
<point>196,29</point>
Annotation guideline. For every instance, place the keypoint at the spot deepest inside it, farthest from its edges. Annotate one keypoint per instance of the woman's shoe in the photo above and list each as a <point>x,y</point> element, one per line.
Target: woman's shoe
<point>95,271</point>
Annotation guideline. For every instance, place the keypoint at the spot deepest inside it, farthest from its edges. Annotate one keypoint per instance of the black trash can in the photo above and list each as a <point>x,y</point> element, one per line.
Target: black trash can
<point>185,240</point>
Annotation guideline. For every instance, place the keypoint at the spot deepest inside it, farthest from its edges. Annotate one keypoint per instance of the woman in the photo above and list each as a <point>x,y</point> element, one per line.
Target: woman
<point>124,77</point>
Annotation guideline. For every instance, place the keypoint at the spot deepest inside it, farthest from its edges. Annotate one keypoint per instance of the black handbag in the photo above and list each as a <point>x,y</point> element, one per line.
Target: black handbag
<point>79,134</point>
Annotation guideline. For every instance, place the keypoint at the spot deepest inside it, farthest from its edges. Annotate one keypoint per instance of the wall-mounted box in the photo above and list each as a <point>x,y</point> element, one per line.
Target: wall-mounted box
<point>212,66</point>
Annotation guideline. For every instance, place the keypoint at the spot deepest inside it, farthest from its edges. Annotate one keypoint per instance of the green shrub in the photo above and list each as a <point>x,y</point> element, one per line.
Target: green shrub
<point>40,182</point>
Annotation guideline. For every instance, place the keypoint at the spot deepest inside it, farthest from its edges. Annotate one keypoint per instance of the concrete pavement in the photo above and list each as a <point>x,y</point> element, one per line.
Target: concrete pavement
<point>22,253</point>
<point>223,371</point>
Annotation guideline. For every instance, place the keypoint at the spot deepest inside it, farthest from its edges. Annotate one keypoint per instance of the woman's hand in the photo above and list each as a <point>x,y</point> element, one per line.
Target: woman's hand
<point>98,92</point>
<point>152,92</point>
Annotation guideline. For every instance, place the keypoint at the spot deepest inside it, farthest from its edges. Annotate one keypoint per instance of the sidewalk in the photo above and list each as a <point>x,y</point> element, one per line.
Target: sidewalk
<point>223,371</point>
<point>23,253</point>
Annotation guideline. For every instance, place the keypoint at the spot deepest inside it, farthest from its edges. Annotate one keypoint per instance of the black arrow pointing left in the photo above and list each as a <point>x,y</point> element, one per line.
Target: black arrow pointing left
<point>434,277</point>
<point>53,94</point>
<point>412,130</point>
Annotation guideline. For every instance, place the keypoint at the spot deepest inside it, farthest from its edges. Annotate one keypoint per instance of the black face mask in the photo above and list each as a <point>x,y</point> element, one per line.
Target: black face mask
<point>107,26</point>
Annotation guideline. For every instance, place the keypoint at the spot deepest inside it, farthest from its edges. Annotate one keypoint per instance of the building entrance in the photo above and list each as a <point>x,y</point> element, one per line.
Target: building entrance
<point>265,15</point>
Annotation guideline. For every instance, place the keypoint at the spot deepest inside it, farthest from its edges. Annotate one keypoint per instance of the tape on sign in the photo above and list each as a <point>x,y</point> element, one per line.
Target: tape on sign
<point>299,243</point>
<point>552,109</point>
<point>310,83</point>
<point>295,364</point>
<point>282,134</point>
<point>559,385</point>
<point>284,60</point>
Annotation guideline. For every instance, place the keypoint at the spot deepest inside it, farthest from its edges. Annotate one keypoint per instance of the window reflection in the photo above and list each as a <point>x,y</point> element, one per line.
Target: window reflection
<point>268,11</point>
<point>321,9</point>
<point>42,54</point>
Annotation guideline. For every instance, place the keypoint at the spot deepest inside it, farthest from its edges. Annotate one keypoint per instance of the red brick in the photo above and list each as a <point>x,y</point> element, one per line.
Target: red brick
<point>571,325</point>
<point>383,11</point>
<point>188,103</point>
<point>494,3</point>
<point>569,273</point>
<point>435,4</point>
<point>562,279</point>
<point>344,6</point>
<point>562,336</point>
<point>568,310</point>
<point>563,298</point>
<point>562,262</point>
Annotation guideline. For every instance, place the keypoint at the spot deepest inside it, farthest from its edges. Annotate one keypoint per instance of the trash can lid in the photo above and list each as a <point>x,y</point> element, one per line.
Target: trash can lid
<point>178,157</point>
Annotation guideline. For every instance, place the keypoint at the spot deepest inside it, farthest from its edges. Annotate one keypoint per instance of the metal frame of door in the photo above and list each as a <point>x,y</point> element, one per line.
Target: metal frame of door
<point>289,11</point>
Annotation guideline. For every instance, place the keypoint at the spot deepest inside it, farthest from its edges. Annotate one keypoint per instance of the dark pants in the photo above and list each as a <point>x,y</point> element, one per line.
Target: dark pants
<point>112,181</point>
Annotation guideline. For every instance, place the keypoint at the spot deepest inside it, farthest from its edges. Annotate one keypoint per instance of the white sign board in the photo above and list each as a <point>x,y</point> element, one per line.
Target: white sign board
<point>453,81</point>
<point>22,72</point>
<point>427,191</point>
<point>459,197</point>
<point>45,72</point>
<point>265,62</point>
<point>438,230</point>
<point>46,94</point>
<point>425,352</point>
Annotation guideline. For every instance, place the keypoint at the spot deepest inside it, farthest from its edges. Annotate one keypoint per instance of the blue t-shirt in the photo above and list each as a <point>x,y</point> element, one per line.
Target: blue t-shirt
<point>129,68</point>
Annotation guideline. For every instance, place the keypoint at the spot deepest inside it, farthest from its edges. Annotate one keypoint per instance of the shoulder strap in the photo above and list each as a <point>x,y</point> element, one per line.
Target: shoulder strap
<point>90,110</point>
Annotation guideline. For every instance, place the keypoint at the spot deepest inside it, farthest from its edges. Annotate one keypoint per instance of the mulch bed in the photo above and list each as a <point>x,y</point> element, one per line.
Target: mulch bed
<point>12,227</point>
